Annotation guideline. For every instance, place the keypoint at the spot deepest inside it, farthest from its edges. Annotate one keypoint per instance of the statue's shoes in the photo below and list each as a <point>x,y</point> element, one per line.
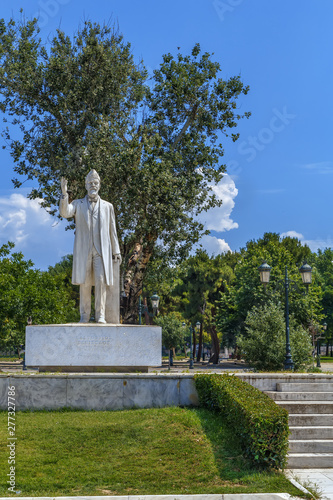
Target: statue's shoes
<point>101,320</point>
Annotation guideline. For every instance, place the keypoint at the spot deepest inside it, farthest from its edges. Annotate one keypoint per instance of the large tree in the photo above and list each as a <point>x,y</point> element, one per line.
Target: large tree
<point>83,103</point>
<point>26,292</point>
<point>201,281</point>
<point>246,291</point>
<point>324,265</point>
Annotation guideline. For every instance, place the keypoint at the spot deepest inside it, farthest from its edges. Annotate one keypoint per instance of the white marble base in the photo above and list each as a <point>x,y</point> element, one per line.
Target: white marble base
<point>93,345</point>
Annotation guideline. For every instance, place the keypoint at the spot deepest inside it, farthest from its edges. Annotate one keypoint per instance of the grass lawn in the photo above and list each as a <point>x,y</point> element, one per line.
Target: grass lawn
<point>326,359</point>
<point>10,358</point>
<point>155,451</point>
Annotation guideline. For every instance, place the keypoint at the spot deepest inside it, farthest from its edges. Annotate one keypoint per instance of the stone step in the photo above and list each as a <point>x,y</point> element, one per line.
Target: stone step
<point>304,387</point>
<point>307,419</point>
<point>300,396</point>
<point>307,407</point>
<point>310,460</point>
<point>310,432</point>
<point>311,445</point>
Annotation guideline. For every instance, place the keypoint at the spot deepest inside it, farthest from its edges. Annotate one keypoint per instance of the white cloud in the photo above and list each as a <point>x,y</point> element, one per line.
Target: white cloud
<point>292,234</point>
<point>323,167</point>
<point>218,219</point>
<point>314,245</point>
<point>214,245</point>
<point>35,233</point>
<point>319,244</point>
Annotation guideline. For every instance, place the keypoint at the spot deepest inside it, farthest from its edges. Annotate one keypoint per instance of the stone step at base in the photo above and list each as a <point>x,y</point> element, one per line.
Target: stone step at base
<point>305,387</point>
<point>310,460</point>
<point>307,407</point>
<point>308,419</point>
<point>311,432</point>
<point>300,396</point>
<point>311,445</point>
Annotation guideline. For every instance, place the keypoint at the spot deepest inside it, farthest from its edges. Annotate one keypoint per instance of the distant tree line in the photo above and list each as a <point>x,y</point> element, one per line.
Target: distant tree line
<point>223,293</point>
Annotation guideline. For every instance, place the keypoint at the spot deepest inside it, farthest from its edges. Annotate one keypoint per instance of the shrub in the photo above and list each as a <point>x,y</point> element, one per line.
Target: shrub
<point>264,346</point>
<point>261,425</point>
<point>173,332</point>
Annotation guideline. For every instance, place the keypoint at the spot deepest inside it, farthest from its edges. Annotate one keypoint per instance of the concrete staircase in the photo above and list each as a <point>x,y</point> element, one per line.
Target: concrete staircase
<point>310,408</point>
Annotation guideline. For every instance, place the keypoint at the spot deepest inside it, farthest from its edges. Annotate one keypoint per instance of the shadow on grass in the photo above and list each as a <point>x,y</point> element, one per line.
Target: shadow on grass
<point>226,446</point>
<point>232,465</point>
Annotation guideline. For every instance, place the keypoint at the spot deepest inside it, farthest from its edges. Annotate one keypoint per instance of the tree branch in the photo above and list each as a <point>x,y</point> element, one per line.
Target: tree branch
<point>188,122</point>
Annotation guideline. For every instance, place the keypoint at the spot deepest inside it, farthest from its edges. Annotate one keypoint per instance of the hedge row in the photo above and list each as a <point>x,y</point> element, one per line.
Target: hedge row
<point>261,424</point>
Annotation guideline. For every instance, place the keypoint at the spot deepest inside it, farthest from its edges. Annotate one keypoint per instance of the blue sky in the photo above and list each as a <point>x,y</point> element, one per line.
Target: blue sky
<point>281,168</point>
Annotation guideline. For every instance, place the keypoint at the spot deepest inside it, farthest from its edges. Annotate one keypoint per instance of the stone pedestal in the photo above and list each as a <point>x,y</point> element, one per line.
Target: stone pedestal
<point>80,347</point>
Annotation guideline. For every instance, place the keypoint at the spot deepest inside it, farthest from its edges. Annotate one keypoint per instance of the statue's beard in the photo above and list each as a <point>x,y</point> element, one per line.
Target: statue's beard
<point>93,195</point>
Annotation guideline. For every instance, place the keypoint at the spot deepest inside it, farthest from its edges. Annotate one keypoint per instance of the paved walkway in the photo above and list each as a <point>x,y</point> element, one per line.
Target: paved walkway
<point>179,366</point>
<point>321,479</point>
<point>327,367</point>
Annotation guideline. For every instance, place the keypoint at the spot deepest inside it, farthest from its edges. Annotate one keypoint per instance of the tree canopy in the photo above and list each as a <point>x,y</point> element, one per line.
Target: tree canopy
<point>246,291</point>
<point>83,103</point>
<point>201,281</point>
<point>264,345</point>
<point>173,331</point>
<point>26,292</point>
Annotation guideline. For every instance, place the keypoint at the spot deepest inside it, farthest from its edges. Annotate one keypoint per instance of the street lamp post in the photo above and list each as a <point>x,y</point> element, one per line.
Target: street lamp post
<point>288,363</point>
<point>191,347</point>
<point>197,326</point>
<point>144,309</point>
<point>318,346</point>
<point>192,331</point>
<point>305,271</point>
<point>318,353</point>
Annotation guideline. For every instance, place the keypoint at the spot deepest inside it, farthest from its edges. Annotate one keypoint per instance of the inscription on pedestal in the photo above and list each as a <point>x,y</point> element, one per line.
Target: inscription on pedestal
<point>93,345</point>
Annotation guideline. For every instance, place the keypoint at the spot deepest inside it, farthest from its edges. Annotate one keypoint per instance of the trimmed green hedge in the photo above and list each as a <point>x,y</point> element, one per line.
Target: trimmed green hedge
<point>261,424</point>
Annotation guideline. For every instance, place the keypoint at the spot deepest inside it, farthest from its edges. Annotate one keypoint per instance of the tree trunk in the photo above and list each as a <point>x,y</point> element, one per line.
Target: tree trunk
<point>194,343</point>
<point>215,351</point>
<point>200,342</point>
<point>133,278</point>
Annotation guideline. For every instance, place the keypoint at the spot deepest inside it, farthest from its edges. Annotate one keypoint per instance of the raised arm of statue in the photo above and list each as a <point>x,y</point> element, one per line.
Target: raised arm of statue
<point>66,209</point>
<point>63,182</point>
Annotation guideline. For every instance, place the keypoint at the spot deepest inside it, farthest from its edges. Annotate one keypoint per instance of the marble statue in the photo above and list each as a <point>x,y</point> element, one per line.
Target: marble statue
<point>96,256</point>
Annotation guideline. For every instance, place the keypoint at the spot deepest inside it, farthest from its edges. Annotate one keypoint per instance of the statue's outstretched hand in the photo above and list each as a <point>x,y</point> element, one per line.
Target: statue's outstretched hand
<point>63,185</point>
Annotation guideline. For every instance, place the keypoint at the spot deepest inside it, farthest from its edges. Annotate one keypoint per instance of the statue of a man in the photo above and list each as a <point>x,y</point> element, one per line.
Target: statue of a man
<point>96,246</point>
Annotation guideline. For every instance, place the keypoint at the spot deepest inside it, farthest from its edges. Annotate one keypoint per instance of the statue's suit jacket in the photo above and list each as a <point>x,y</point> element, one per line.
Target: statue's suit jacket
<point>109,240</point>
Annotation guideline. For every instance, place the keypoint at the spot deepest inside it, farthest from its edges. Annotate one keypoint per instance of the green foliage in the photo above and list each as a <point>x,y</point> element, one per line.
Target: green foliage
<point>201,280</point>
<point>324,266</point>
<point>264,345</point>
<point>173,332</point>
<point>314,369</point>
<point>246,291</point>
<point>260,423</point>
<point>63,269</point>
<point>83,103</point>
<point>25,292</point>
